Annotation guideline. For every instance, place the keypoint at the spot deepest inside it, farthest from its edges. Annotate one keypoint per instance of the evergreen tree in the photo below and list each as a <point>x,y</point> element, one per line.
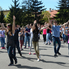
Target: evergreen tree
<point>63,13</point>
<point>15,10</point>
<point>37,9</point>
<point>2,17</point>
<point>28,17</point>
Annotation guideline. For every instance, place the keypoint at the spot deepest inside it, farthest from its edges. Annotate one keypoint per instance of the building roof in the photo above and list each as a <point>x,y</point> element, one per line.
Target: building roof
<point>53,12</point>
<point>6,10</point>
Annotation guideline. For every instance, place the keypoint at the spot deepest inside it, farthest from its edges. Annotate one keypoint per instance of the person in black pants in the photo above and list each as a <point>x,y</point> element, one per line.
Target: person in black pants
<point>16,41</point>
<point>10,30</point>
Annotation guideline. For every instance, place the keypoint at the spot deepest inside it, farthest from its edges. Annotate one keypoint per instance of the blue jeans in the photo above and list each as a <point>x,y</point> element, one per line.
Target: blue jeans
<point>10,54</point>
<point>56,39</point>
<point>47,37</point>
<point>64,37</point>
<point>27,38</point>
<point>17,46</point>
<point>2,41</point>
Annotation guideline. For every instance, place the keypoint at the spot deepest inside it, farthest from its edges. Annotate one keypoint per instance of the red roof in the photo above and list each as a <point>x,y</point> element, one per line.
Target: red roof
<point>53,12</point>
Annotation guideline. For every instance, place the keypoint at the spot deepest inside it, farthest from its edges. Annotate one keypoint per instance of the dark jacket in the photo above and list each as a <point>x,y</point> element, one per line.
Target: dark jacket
<point>16,34</point>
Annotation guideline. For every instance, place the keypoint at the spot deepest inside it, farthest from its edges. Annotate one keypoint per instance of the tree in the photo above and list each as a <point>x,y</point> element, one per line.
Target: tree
<point>2,17</point>
<point>63,13</point>
<point>45,16</point>
<point>15,10</point>
<point>37,9</point>
<point>27,14</point>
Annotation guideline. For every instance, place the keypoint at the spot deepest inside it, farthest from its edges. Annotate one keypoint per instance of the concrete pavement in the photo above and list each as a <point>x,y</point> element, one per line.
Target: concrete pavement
<point>48,61</point>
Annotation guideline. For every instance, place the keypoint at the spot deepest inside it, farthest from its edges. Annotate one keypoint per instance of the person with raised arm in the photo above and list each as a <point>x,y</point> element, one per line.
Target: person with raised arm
<point>56,37</point>
<point>10,30</point>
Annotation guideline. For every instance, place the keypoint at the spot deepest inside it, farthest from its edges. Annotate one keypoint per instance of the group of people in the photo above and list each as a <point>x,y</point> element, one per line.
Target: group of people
<point>31,34</point>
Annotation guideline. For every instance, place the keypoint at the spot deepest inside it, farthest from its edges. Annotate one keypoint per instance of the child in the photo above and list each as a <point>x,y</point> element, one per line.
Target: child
<point>21,35</point>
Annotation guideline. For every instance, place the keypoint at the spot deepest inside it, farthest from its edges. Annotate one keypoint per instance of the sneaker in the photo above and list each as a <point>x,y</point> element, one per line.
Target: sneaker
<point>1,47</point>
<point>10,64</point>
<point>59,53</point>
<point>15,61</point>
<point>30,53</point>
<point>21,49</point>
<point>55,55</point>
<point>34,53</point>
<point>49,43</point>
<point>46,43</point>
<point>25,47</point>
<point>38,60</point>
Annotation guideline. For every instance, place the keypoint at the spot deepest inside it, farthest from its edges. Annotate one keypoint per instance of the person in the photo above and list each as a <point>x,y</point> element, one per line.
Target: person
<point>27,36</point>
<point>44,34</point>
<point>48,35</point>
<point>2,37</point>
<point>21,35</point>
<point>31,36</point>
<point>35,40</point>
<point>64,36</point>
<point>10,40</point>
<point>16,40</point>
<point>56,37</point>
<point>67,34</point>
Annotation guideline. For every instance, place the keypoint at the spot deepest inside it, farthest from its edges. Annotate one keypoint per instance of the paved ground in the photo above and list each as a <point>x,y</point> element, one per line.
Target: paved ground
<point>48,61</point>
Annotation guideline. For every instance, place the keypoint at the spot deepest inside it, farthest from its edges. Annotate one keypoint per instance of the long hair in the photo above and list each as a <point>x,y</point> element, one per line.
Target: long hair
<point>10,27</point>
<point>36,28</point>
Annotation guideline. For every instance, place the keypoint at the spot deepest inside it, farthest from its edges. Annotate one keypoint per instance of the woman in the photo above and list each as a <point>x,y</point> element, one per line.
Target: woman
<point>21,35</point>
<point>48,35</point>
<point>35,40</point>
<point>44,35</point>
<point>10,30</point>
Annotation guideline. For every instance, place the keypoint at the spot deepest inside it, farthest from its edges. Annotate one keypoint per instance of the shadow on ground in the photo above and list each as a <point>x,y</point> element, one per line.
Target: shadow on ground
<point>26,67</point>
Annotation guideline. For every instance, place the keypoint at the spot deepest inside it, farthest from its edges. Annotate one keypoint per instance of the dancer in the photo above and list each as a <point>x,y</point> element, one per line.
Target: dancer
<point>44,34</point>
<point>27,36</point>
<point>31,36</point>
<point>35,40</point>
<point>2,37</point>
<point>16,40</point>
<point>10,40</point>
<point>21,35</point>
<point>56,37</point>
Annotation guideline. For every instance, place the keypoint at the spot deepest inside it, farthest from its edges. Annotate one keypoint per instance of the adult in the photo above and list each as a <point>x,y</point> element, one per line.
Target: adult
<point>35,40</point>
<point>48,35</point>
<point>16,40</point>
<point>10,40</point>
<point>44,34</point>
<point>2,38</point>
<point>27,36</point>
<point>56,37</point>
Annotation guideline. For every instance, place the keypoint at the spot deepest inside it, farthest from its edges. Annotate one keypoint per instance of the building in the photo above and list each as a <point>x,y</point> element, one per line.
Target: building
<point>5,12</point>
<point>52,12</point>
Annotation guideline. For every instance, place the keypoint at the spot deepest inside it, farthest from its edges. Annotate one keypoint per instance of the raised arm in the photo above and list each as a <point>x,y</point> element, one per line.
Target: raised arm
<point>13,26</point>
<point>3,27</point>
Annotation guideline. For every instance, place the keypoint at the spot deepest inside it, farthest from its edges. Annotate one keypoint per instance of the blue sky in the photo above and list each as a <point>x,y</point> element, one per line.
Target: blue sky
<point>5,4</point>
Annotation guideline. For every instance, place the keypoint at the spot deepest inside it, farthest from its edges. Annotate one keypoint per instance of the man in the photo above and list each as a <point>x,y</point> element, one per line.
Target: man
<point>17,30</point>
<point>56,35</point>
